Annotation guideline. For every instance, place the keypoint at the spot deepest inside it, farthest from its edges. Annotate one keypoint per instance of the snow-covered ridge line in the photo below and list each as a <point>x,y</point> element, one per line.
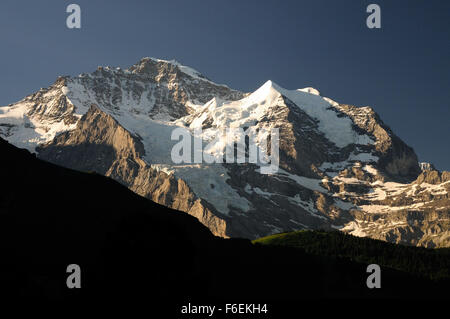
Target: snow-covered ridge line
<point>338,130</point>
<point>248,111</point>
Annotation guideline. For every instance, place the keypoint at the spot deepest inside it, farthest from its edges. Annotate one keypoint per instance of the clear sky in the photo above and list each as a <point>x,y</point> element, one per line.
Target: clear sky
<point>402,70</point>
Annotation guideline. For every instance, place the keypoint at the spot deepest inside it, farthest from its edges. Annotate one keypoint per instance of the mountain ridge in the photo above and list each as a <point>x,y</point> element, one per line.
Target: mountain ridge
<point>341,167</point>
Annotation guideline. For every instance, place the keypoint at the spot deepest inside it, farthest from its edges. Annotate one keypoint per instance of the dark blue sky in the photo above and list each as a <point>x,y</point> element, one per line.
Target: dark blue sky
<point>402,70</point>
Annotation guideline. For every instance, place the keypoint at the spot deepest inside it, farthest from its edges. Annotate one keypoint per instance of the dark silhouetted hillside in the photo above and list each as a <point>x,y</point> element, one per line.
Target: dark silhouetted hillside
<point>132,249</point>
<point>425,262</point>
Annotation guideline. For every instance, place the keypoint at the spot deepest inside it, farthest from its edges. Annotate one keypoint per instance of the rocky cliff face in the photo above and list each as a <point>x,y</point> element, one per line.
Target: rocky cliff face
<point>99,144</point>
<point>340,166</point>
<point>395,157</point>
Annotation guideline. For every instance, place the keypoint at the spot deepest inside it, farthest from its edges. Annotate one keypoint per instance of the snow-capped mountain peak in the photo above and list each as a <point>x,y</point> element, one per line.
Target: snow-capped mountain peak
<point>341,167</point>
<point>252,108</point>
<point>147,64</point>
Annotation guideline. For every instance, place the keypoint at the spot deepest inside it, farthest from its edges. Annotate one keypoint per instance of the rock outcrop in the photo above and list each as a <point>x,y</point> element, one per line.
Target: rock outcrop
<point>99,144</point>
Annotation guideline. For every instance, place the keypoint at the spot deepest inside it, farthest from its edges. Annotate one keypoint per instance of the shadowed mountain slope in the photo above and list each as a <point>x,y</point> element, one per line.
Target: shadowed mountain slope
<point>133,250</point>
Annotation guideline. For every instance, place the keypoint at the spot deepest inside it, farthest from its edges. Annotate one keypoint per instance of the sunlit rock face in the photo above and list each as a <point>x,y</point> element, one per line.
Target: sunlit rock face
<point>340,166</point>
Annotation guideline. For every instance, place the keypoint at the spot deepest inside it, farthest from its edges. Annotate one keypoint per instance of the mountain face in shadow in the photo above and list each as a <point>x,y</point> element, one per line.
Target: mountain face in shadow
<point>132,249</point>
<point>101,145</point>
<point>51,217</point>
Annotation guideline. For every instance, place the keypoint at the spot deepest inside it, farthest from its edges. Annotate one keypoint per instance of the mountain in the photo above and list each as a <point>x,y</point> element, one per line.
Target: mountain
<point>135,252</point>
<point>340,166</point>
